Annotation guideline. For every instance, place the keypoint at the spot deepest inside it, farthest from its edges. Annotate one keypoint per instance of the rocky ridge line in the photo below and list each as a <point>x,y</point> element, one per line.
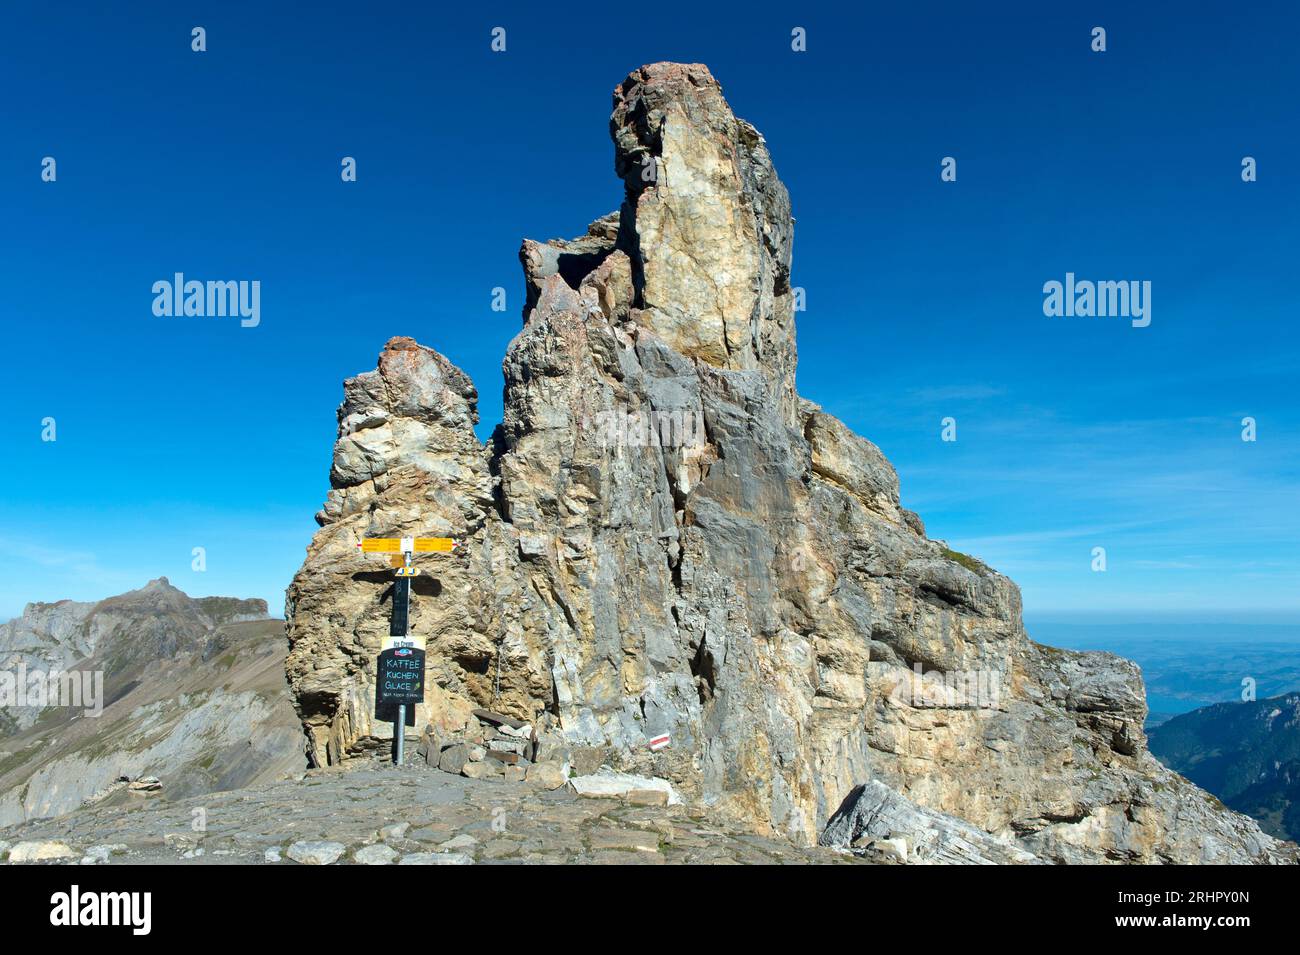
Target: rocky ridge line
<point>756,590</point>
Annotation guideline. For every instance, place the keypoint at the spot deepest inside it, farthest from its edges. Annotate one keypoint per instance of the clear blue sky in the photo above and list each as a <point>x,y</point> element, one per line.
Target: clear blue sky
<point>924,297</point>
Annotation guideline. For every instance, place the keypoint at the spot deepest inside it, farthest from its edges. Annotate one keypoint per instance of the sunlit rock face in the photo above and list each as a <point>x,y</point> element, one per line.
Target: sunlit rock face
<point>662,537</point>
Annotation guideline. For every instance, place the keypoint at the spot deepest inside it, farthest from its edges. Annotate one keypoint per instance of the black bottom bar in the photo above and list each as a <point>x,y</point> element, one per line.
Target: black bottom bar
<point>934,904</point>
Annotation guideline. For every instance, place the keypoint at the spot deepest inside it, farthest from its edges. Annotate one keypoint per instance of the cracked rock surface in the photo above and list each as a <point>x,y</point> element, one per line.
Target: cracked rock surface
<point>661,537</point>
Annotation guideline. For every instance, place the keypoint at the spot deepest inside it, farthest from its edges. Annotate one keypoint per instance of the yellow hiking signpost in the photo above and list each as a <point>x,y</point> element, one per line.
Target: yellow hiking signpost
<point>399,677</point>
<point>408,545</point>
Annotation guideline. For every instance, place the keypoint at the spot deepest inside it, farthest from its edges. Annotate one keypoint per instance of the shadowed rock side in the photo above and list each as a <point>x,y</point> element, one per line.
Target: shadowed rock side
<point>751,586</point>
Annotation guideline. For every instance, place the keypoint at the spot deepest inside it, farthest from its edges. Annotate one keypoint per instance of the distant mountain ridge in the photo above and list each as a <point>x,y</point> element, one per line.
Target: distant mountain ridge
<point>1246,754</point>
<point>193,693</point>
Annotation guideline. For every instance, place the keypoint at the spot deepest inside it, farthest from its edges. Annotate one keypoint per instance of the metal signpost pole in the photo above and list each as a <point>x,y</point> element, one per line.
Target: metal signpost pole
<point>400,673</point>
<point>401,628</point>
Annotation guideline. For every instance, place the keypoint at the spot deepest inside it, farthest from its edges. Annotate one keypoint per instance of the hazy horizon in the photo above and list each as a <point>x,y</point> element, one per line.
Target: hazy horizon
<point>1178,625</point>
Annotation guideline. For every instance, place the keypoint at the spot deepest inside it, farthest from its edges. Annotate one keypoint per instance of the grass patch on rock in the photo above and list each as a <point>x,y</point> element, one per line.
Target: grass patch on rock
<point>966,560</point>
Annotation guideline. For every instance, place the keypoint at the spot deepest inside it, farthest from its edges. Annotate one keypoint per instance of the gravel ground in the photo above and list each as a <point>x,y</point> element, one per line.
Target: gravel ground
<point>383,815</point>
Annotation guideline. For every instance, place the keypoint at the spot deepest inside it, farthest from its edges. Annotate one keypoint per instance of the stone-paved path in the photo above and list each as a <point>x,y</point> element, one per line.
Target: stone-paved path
<point>413,815</point>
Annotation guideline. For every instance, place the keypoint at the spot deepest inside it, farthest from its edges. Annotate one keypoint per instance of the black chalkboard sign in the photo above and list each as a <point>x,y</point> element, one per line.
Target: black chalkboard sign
<point>400,679</point>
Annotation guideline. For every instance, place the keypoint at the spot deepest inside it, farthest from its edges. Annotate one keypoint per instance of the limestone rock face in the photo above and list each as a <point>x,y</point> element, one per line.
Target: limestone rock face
<point>662,539</point>
<point>406,463</point>
<point>877,822</point>
<point>706,224</point>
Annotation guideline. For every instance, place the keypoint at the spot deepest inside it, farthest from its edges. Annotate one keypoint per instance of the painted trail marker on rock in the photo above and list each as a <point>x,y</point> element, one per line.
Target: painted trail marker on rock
<point>399,676</point>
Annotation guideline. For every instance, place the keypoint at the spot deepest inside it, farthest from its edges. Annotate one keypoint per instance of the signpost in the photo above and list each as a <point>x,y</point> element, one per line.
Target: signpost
<point>400,681</point>
<point>399,678</point>
<point>399,623</point>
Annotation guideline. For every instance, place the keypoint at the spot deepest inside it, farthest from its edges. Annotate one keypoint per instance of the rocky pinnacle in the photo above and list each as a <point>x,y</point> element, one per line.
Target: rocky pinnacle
<point>662,538</point>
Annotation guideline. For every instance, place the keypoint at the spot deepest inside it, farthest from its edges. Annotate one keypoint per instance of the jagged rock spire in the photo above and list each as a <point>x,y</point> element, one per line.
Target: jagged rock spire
<point>706,223</point>
<point>705,229</point>
<point>751,587</point>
